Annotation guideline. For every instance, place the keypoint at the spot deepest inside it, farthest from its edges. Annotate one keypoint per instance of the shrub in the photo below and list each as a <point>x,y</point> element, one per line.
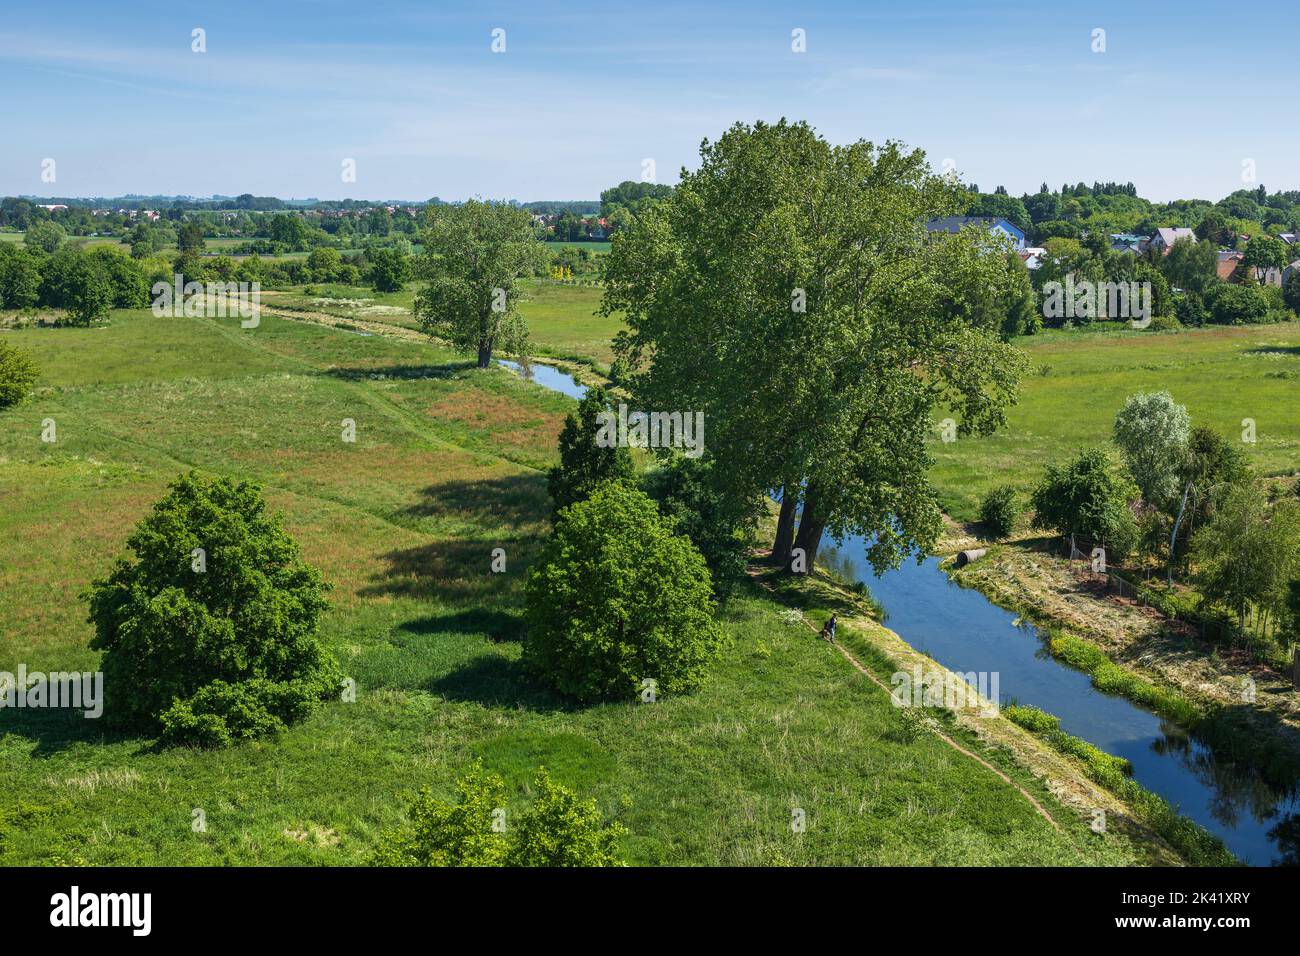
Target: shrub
<point>616,597</point>
<point>585,464</point>
<point>999,511</point>
<point>689,498</point>
<point>558,830</point>
<point>1086,497</point>
<point>18,373</point>
<point>1231,304</point>
<point>208,627</point>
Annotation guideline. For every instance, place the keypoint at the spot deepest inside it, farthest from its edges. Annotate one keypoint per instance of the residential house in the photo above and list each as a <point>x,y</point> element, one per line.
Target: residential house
<point>1127,242</point>
<point>1164,239</point>
<point>1031,256</point>
<point>1227,264</point>
<point>993,224</point>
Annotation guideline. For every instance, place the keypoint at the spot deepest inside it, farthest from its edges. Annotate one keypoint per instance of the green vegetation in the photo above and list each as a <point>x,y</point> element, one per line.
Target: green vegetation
<point>999,511</point>
<point>448,464</point>
<point>1222,376</point>
<point>1198,845</point>
<point>209,628</point>
<point>616,600</point>
<point>557,830</point>
<point>585,463</point>
<point>1087,497</point>
<point>18,373</point>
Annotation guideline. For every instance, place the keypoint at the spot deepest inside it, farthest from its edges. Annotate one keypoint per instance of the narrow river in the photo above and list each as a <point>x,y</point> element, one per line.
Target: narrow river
<point>965,632</point>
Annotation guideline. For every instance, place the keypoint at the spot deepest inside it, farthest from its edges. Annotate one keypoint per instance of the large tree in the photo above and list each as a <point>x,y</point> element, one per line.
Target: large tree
<point>474,255</point>
<point>790,291</point>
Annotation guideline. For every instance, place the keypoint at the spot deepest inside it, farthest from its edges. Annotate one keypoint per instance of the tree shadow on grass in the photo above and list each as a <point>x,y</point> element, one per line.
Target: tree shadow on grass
<point>356,373</point>
<point>54,731</point>
<point>496,625</point>
<point>1275,350</point>
<point>496,681</point>
<point>512,501</point>
<point>454,572</point>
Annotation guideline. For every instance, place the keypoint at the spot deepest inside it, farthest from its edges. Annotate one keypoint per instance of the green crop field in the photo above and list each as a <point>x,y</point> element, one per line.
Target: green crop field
<point>1081,378</point>
<point>448,464</point>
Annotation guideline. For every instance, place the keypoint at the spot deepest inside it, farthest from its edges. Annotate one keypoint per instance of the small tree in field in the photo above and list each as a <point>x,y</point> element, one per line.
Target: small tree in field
<point>1152,434</point>
<point>584,464</point>
<point>999,510</point>
<point>557,830</point>
<point>208,627</point>
<point>475,254</point>
<point>18,374</point>
<point>1086,497</point>
<point>616,598</point>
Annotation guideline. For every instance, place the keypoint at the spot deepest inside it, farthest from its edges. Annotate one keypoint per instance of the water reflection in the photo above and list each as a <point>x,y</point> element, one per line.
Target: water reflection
<point>965,632</point>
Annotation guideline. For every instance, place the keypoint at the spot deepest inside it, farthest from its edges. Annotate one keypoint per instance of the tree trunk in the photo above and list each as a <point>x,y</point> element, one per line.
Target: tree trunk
<point>1295,665</point>
<point>484,353</point>
<point>811,525</point>
<point>785,528</point>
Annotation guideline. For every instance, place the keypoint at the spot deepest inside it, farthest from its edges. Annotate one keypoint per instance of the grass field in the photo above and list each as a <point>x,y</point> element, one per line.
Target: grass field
<point>1081,378</point>
<point>447,465</point>
<point>561,318</point>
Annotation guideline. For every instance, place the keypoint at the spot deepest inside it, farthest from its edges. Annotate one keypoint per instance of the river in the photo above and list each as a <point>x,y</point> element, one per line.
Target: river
<point>964,631</point>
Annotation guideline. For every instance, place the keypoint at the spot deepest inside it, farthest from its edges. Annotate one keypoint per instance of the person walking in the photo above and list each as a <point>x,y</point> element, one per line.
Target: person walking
<point>828,629</point>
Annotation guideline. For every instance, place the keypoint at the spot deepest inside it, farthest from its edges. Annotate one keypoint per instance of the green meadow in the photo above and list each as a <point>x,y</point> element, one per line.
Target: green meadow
<point>448,464</point>
<point>1080,378</point>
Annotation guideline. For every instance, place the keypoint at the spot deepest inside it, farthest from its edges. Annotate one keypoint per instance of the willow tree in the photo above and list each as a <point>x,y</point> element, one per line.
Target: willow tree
<point>790,291</point>
<point>475,253</point>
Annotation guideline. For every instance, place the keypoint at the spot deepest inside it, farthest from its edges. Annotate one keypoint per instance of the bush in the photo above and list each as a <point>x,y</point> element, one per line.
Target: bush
<point>1085,497</point>
<point>999,511</point>
<point>18,373</point>
<point>615,598</point>
<point>558,830</point>
<point>1231,304</point>
<point>688,497</point>
<point>209,626</point>
<point>585,464</point>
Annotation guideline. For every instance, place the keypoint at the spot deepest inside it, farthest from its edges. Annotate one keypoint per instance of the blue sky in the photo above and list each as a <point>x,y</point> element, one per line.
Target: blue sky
<point>1011,92</point>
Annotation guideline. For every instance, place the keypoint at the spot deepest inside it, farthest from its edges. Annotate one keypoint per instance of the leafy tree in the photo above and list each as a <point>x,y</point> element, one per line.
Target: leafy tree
<point>78,283</point>
<point>20,277</point>
<point>1151,432</point>
<point>585,464</point>
<point>129,286</point>
<point>288,229</point>
<point>389,268</point>
<point>209,626</point>
<point>45,235</point>
<point>1247,554</point>
<point>999,510</point>
<point>1232,304</point>
<point>789,290</point>
<point>1085,497</point>
<point>615,598</point>
<point>1291,291</point>
<point>475,255</point>
<point>1191,266</point>
<point>324,263</point>
<point>1264,253</point>
<point>691,496</point>
<point>189,238</point>
<point>557,830</point>
<point>18,373</point>
<point>1215,229</point>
